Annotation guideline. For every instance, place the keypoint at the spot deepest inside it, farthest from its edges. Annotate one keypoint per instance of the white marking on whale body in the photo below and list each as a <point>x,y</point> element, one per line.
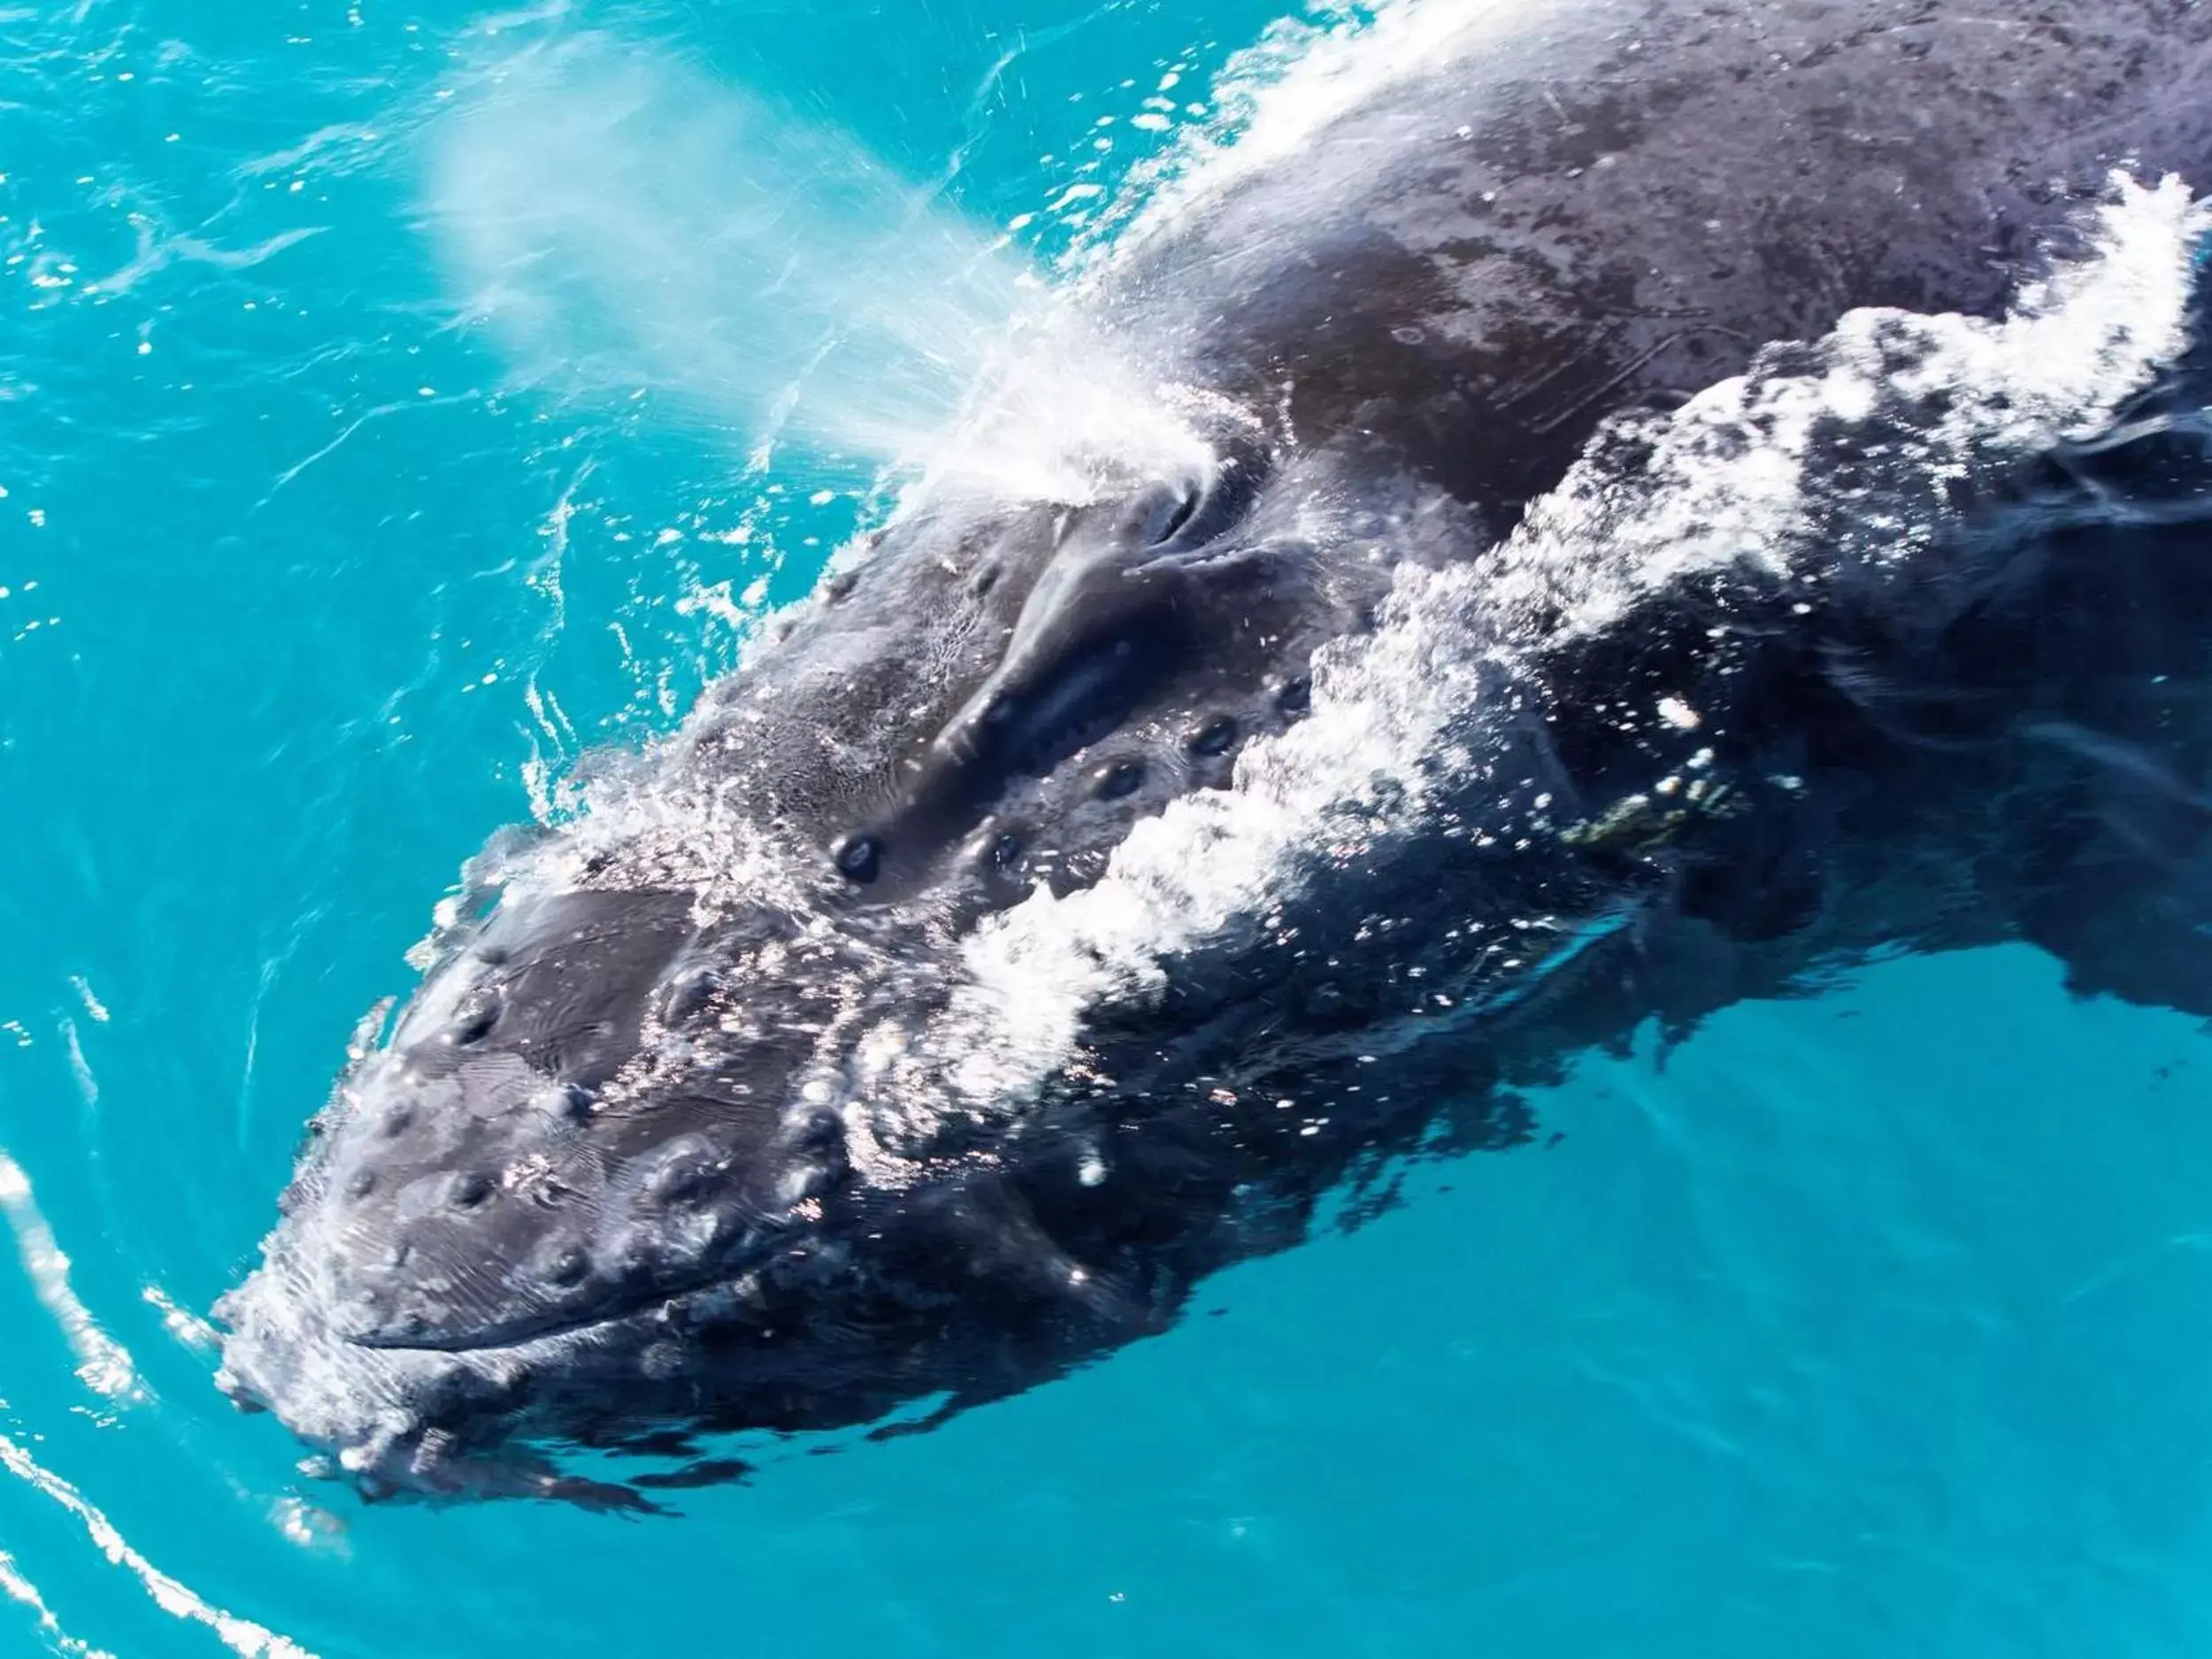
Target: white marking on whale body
<point>1730,477</point>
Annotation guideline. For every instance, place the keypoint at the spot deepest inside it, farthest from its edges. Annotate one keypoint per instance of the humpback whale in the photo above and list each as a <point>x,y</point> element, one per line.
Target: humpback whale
<point>1681,499</point>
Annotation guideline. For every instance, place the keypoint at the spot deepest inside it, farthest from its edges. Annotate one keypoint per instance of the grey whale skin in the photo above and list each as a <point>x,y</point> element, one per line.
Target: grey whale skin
<point>657,1151</point>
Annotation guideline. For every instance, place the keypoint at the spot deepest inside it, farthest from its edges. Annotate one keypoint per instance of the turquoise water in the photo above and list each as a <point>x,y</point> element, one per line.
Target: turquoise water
<point>338,522</point>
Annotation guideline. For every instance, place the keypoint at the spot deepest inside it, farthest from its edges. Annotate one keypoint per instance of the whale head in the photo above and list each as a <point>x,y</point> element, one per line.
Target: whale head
<point>670,1136</point>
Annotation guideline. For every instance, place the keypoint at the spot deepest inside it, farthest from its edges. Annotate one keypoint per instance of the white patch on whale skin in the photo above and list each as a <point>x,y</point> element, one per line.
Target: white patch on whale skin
<point>1730,476</point>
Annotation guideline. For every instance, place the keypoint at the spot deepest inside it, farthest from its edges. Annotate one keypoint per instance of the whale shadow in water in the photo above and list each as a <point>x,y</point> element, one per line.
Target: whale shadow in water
<point>1627,581</point>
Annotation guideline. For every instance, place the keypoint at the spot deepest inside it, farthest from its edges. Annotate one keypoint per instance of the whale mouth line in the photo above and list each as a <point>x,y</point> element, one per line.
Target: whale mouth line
<point>498,1341</point>
<point>518,1336</point>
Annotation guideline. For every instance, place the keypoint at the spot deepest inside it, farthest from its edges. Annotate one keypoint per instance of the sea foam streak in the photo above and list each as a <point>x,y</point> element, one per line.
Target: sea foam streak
<point>103,1365</point>
<point>242,1636</point>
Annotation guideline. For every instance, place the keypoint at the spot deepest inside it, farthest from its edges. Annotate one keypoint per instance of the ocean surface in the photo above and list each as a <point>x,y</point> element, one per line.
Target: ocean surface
<point>396,401</point>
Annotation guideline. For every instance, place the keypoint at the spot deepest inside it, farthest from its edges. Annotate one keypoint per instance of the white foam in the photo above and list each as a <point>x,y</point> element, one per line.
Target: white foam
<point>93,1005</point>
<point>20,1589</point>
<point>1059,414</point>
<point>1271,98</point>
<point>188,1328</point>
<point>103,1365</point>
<point>1728,478</point>
<point>242,1636</point>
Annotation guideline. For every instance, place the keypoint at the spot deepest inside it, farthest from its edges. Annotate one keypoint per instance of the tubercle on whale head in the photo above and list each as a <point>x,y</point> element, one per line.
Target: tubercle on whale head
<point>420,1328</point>
<point>639,1125</point>
<point>561,1127</point>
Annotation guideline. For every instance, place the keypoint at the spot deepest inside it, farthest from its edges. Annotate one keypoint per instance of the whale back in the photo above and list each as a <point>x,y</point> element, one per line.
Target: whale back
<point>1423,322</point>
<point>1541,215</point>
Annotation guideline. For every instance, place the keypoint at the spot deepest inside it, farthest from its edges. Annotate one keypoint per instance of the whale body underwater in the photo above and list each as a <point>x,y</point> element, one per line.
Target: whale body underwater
<point>1686,498</point>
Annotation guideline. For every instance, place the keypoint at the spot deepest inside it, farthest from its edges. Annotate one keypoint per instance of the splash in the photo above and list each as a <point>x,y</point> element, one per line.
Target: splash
<point>626,224</point>
<point>626,227</point>
<point>1271,99</point>
<point>1733,475</point>
<point>188,1328</point>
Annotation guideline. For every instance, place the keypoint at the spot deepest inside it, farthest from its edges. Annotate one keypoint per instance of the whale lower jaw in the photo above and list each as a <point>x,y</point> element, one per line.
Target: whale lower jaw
<point>425,1422</point>
<point>506,1340</point>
